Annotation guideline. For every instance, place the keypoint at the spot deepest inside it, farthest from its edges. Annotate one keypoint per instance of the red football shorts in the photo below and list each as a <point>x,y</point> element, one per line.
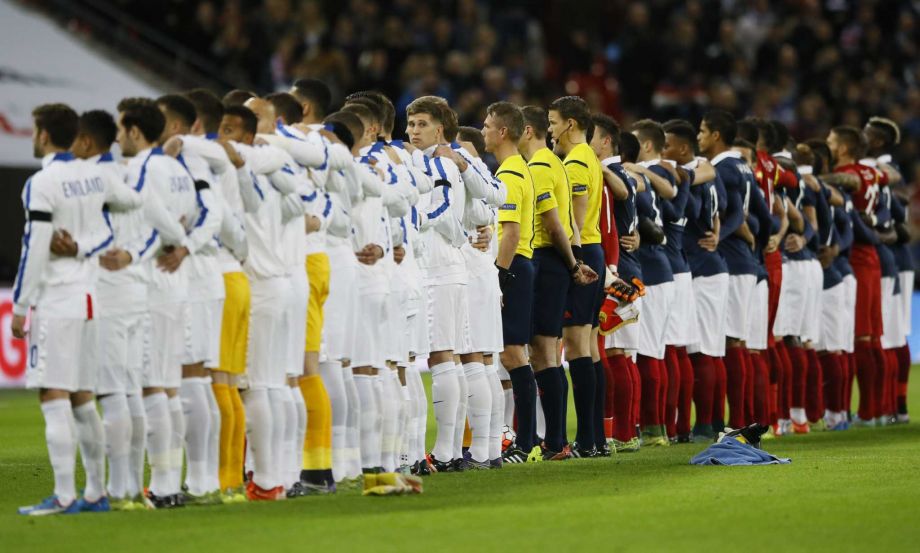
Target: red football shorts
<point>868,273</point>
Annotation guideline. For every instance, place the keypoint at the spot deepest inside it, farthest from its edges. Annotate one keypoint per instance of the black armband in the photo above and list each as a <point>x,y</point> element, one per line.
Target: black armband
<point>576,251</point>
<point>39,216</point>
<point>201,185</point>
<point>442,182</point>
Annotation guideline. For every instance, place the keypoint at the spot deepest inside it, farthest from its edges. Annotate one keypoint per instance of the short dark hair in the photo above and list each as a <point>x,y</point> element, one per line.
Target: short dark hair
<point>852,138</point>
<point>473,135</point>
<point>607,126</point>
<point>237,97</point>
<point>179,106</point>
<point>682,129</point>
<point>347,126</point>
<point>100,126</point>
<point>722,122</point>
<point>650,130</point>
<point>743,143</point>
<point>361,111</point>
<point>629,147</point>
<point>388,119</point>
<point>208,107</point>
<point>286,107</point>
<point>778,136</point>
<point>573,107</point>
<point>508,115</point>
<point>371,105</point>
<point>144,114</point>
<point>535,118</point>
<point>747,130</point>
<point>59,121</point>
<point>822,153</point>
<point>246,115</point>
<point>314,91</point>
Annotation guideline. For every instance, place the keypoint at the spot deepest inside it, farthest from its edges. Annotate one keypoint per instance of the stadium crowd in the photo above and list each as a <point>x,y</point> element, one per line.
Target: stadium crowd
<point>806,63</point>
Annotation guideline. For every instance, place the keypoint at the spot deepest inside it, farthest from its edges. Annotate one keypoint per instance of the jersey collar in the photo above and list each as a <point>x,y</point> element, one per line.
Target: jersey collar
<point>727,154</point>
<point>609,160</point>
<point>60,156</point>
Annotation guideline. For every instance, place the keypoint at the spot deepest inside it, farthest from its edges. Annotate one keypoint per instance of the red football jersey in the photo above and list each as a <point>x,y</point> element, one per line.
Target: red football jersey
<point>610,240</point>
<point>866,198</point>
<point>771,175</point>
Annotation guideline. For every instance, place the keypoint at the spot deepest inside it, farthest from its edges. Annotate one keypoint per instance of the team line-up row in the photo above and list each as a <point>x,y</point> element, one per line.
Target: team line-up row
<point>246,288</point>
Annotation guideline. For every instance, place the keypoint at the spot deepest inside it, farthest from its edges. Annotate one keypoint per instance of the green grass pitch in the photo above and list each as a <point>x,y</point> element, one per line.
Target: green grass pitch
<point>851,491</point>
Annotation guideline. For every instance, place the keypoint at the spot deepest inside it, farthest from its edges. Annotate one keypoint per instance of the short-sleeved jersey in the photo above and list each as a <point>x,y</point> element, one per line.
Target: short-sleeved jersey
<point>738,180</point>
<point>704,201</point>
<point>551,190</point>
<point>675,219</point>
<point>626,219</point>
<point>586,179</point>
<point>519,203</point>
<point>656,269</point>
<point>865,199</point>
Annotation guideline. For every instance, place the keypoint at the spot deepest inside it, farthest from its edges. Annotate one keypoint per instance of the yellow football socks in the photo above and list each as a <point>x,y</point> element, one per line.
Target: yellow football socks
<point>317,447</point>
<point>225,405</point>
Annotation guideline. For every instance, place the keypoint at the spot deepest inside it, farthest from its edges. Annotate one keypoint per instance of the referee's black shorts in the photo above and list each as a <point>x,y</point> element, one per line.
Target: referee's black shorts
<point>550,291</point>
<point>517,323</point>
<point>584,302</point>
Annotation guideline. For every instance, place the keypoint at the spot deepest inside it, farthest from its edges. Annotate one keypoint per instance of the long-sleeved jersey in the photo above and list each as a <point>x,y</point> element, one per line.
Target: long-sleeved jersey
<point>66,194</point>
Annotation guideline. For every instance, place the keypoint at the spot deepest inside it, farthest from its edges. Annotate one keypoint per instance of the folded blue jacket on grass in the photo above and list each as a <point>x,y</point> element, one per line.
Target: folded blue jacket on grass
<point>732,452</point>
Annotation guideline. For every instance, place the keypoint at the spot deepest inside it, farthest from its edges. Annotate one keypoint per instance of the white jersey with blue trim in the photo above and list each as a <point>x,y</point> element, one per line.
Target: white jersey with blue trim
<point>268,255</point>
<point>66,194</point>
<point>439,216</point>
<point>173,187</point>
<point>231,237</point>
<point>370,226</point>
<point>124,291</point>
<point>204,270</point>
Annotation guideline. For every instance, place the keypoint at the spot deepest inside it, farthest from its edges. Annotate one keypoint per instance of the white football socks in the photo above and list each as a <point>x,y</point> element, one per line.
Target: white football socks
<point>197,415</point>
<point>213,464</point>
<point>300,409</point>
<point>370,415</point>
<point>445,395</point>
<point>116,420</point>
<point>498,412</point>
<point>479,410</point>
<point>352,426</point>
<point>159,434</point>
<point>91,437</point>
<point>389,418</point>
<point>62,447</point>
<point>278,401</point>
<point>259,436</point>
<point>176,439</point>
<point>414,377</point>
<point>333,380</point>
<point>288,437</point>
<point>138,444</point>
<point>460,424</point>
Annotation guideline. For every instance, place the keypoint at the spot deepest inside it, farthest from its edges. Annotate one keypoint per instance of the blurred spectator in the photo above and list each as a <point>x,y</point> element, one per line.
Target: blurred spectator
<point>808,63</point>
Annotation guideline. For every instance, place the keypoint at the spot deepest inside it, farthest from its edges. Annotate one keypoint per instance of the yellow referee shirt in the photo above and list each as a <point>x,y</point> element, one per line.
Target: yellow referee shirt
<point>586,179</point>
<point>518,206</point>
<point>551,189</point>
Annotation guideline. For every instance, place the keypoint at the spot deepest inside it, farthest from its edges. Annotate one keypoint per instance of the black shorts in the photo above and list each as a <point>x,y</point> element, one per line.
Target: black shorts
<point>550,290</point>
<point>583,304</point>
<point>517,324</point>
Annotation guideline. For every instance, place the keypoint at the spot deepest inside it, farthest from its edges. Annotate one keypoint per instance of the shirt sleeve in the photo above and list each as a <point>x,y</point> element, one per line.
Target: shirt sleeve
<point>510,211</point>
<point>543,187</point>
<point>579,175</point>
